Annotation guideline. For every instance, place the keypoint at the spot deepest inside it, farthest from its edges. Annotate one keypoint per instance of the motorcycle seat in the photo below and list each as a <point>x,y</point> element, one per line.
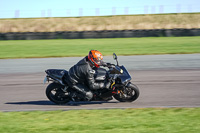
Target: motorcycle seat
<point>56,73</point>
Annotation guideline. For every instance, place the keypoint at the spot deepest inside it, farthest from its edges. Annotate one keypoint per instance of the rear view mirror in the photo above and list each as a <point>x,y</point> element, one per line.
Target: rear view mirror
<point>114,56</point>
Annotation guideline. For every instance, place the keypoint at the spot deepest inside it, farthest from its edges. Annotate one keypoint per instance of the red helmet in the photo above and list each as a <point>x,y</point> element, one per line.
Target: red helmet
<point>95,57</point>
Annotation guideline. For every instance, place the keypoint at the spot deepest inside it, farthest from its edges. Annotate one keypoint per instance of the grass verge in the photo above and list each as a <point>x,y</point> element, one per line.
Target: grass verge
<point>156,120</point>
<point>123,22</point>
<point>80,47</point>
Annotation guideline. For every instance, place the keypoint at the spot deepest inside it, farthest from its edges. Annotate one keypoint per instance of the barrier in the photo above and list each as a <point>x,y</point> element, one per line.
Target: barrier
<point>99,34</point>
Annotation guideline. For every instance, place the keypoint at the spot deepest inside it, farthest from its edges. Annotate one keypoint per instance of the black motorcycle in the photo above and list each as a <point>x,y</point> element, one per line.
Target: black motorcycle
<point>121,88</point>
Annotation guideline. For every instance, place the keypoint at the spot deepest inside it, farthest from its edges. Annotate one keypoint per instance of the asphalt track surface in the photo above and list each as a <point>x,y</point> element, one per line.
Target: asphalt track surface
<point>163,80</point>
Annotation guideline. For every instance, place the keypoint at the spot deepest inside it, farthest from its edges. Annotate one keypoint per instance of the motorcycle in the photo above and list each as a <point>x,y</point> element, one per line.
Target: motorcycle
<point>121,88</point>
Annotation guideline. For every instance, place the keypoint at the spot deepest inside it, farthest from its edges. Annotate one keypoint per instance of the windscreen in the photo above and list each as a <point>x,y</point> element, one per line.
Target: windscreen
<point>125,77</point>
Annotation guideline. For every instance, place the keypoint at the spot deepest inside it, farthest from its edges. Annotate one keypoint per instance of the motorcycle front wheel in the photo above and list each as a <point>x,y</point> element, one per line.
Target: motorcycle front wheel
<point>55,93</point>
<point>129,94</point>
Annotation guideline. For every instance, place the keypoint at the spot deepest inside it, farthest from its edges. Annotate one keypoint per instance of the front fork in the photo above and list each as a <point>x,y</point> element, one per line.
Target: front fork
<point>114,89</point>
<point>118,89</point>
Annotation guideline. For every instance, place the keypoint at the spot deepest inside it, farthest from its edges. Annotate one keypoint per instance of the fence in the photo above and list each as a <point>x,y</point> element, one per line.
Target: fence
<point>99,34</point>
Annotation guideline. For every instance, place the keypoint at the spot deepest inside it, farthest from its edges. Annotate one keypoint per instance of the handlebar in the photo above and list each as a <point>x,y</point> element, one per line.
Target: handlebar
<point>109,65</point>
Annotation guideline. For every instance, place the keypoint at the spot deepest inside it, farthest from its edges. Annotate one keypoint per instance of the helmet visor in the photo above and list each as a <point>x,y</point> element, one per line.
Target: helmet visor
<point>98,61</point>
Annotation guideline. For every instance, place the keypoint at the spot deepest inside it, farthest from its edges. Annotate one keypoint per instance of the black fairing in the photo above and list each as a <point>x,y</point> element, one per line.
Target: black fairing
<point>100,74</point>
<point>115,70</point>
<point>56,73</point>
<point>125,76</point>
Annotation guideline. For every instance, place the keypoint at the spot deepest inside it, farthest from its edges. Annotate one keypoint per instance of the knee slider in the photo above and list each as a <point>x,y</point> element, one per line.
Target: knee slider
<point>89,95</point>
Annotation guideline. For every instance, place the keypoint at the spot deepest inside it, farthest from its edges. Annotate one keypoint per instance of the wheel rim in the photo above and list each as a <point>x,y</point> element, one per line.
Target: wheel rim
<point>127,93</point>
<point>58,95</point>
<point>130,92</point>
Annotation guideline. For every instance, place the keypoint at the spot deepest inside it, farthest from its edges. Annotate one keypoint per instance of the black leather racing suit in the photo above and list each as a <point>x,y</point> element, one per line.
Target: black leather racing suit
<point>80,76</point>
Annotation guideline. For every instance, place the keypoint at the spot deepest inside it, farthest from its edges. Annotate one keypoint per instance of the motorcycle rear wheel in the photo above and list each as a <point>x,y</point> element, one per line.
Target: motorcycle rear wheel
<point>55,93</point>
<point>129,94</point>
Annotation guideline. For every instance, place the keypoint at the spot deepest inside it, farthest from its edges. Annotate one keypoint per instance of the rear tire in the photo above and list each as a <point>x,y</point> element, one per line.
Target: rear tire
<point>55,93</point>
<point>130,94</point>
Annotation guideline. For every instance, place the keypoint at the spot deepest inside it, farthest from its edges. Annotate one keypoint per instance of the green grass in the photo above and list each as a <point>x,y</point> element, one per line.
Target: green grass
<point>80,47</point>
<point>156,120</point>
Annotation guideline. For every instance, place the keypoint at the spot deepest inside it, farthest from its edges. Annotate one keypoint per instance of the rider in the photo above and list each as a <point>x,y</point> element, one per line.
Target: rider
<point>81,75</point>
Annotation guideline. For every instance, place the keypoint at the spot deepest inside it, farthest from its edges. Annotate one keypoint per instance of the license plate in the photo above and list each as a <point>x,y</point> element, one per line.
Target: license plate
<point>45,80</point>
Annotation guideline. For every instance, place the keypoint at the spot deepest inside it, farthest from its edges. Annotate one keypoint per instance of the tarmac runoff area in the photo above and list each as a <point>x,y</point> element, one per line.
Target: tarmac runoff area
<point>163,80</point>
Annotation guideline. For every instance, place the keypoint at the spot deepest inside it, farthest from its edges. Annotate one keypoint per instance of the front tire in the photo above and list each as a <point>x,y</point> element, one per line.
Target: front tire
<point>55,93</point>
<point>129,94</point>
